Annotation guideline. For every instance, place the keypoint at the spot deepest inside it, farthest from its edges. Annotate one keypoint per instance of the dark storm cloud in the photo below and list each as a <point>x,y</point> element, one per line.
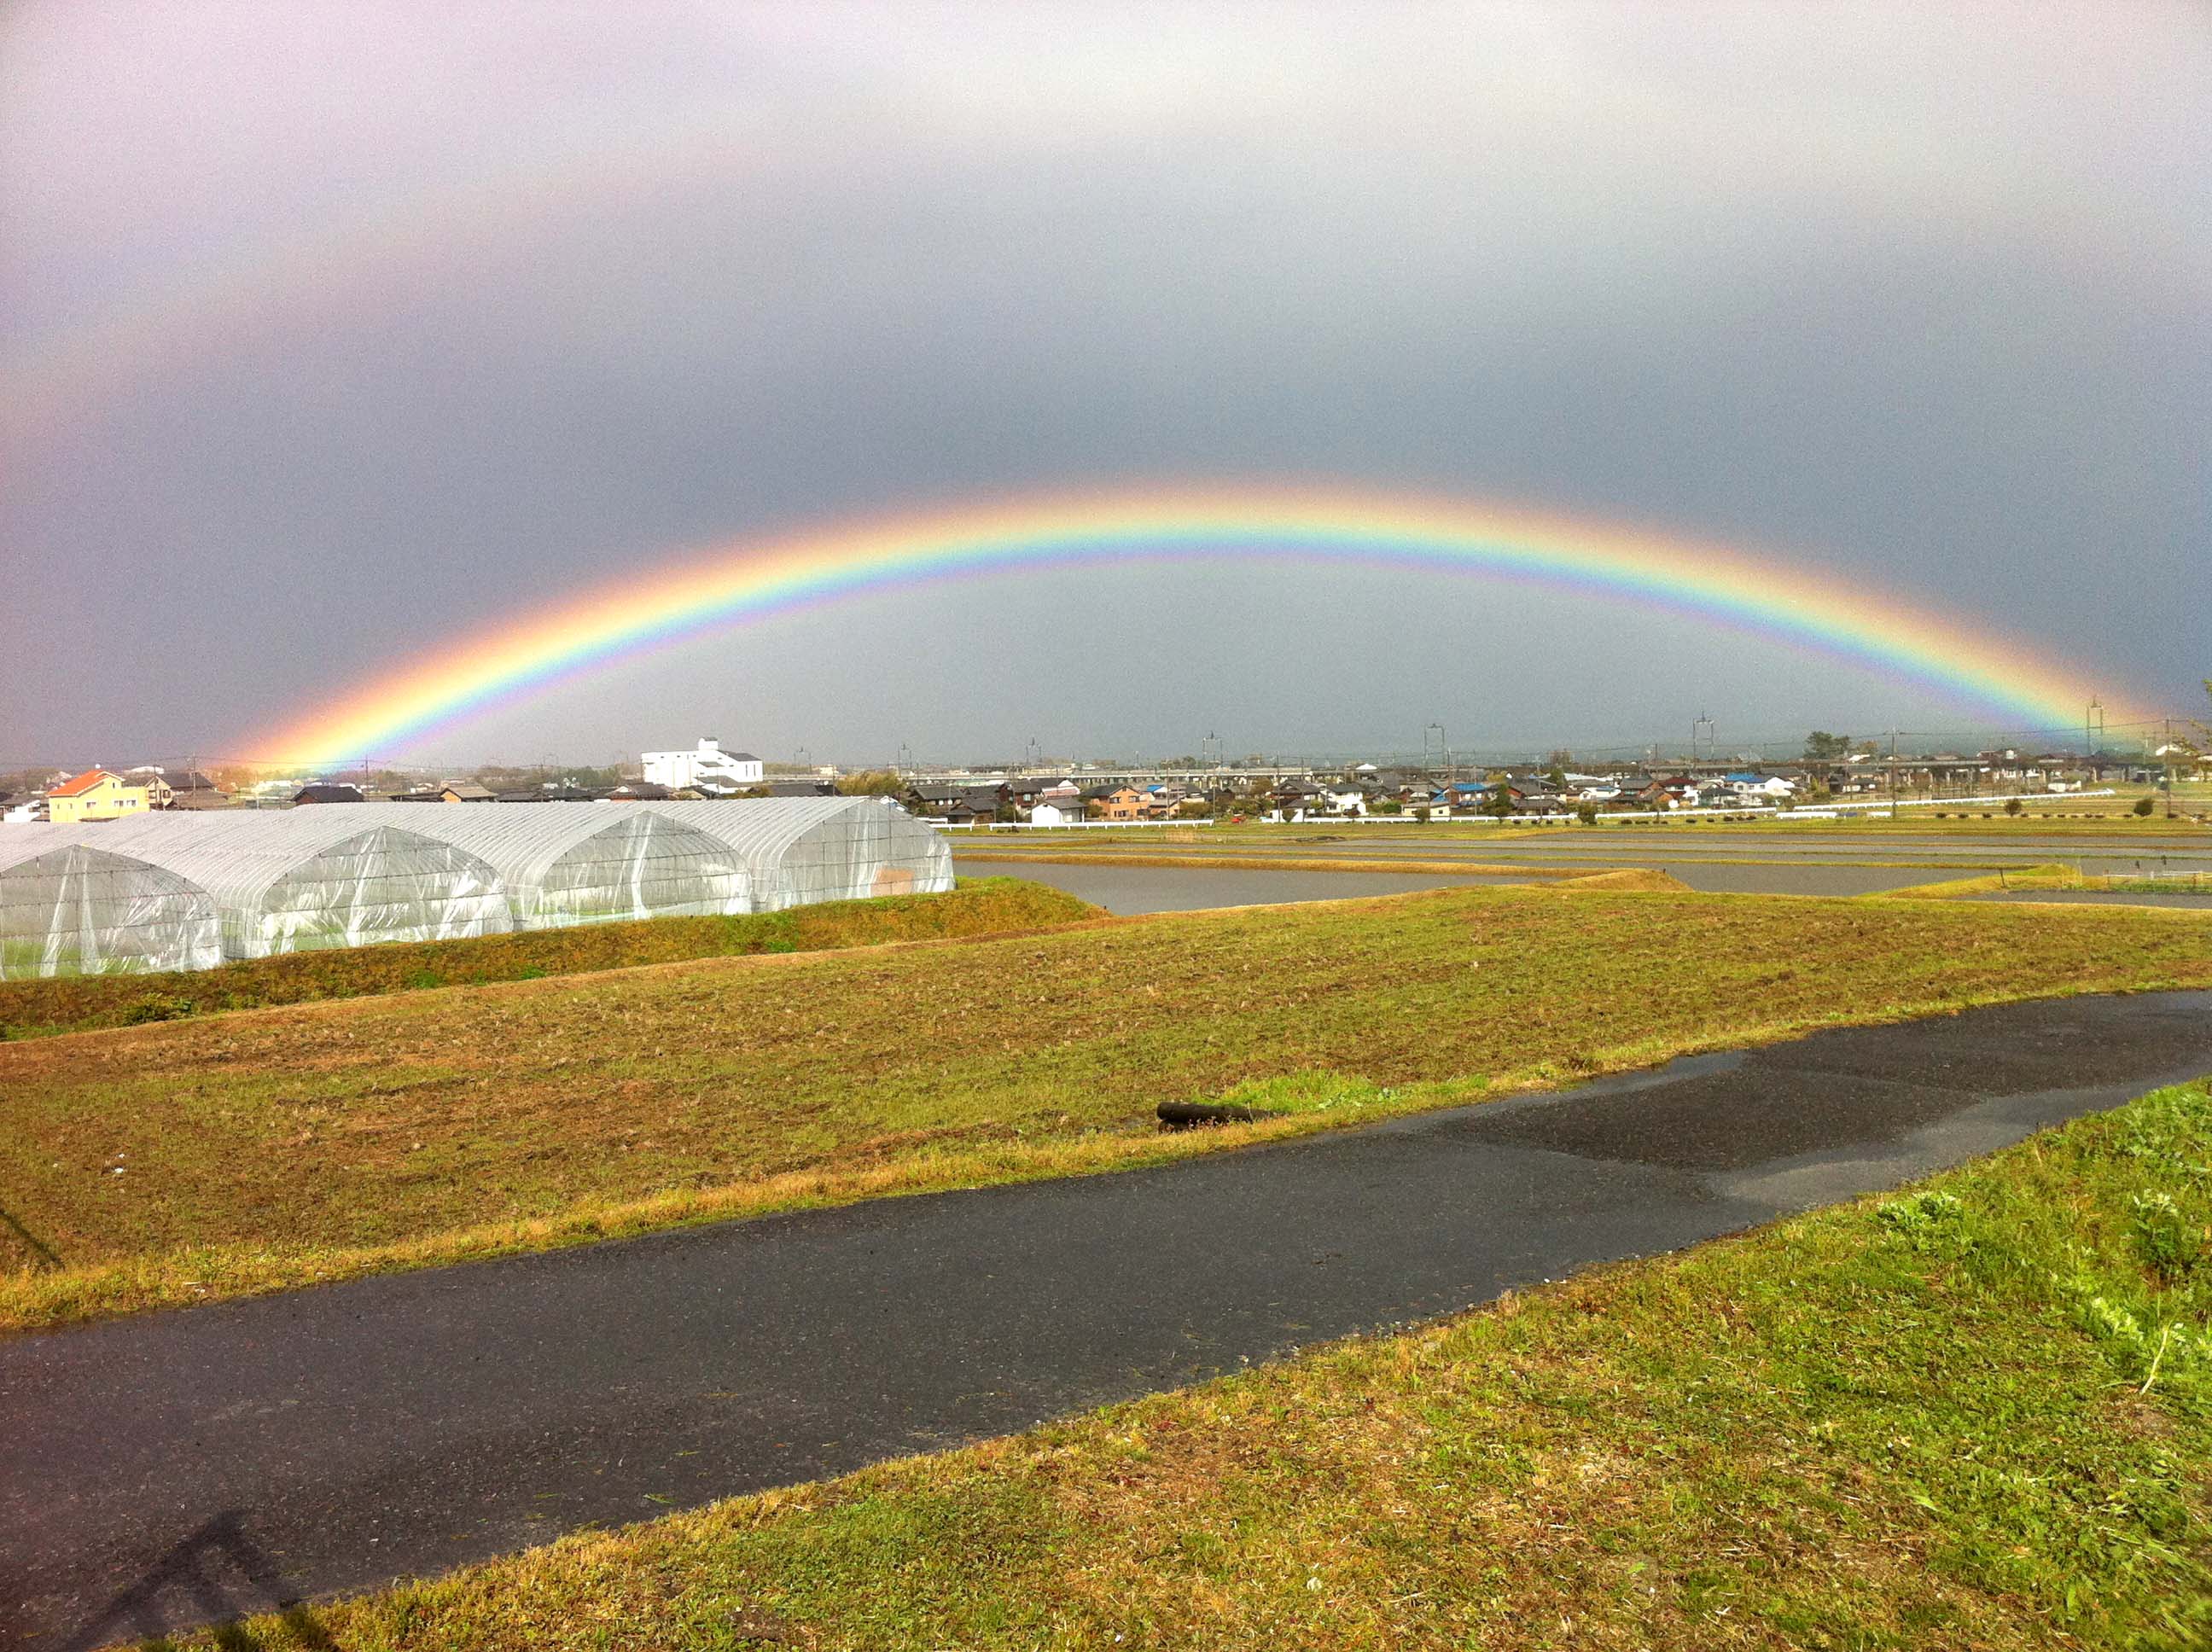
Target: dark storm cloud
<point>1919,300</point>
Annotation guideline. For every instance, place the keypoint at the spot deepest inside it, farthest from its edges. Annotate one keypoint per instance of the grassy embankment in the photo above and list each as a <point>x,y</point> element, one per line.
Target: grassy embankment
<point>1974,1416</point>
<point>2055,875</point>
<point>172,1163</point>
<point>990,906</point>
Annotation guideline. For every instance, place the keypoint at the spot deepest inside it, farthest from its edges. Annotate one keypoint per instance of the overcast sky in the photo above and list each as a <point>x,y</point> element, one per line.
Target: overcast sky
<point>331,335</point>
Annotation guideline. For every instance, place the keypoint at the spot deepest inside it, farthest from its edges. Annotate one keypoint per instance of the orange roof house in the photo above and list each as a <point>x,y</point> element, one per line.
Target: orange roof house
<point>96,794</point>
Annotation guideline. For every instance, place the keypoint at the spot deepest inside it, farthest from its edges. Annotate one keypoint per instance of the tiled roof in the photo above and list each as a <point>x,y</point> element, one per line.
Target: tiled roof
<point>83,782</point>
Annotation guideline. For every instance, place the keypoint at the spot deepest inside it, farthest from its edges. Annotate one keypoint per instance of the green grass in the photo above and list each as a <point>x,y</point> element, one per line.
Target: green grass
<point>1978,1415</point>
<point>249,1151</point>
<point>2054,875</point>
<point>30,1009</point>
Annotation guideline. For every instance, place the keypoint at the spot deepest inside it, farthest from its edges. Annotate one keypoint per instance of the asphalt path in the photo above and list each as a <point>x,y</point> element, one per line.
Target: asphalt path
<point>179,1468</point>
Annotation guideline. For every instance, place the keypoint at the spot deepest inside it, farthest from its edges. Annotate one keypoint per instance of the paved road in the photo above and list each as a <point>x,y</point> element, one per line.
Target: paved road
<point>178,1468</point>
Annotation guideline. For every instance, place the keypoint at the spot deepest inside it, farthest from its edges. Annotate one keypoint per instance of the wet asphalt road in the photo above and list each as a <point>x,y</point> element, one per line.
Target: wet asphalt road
<point>179,1468</point>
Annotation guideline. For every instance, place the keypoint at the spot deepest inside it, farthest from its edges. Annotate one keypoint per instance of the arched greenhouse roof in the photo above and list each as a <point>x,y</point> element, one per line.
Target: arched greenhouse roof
<point>569,863</point>
<point>292,879</point>
<point>69,908</point>
<point>801,850</point>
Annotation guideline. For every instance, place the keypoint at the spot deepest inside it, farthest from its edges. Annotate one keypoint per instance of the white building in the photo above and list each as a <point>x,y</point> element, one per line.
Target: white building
<point>706,769</point>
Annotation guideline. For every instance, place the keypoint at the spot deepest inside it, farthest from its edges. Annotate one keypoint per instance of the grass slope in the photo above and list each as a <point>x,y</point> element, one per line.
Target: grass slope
<point>2054,875</point>
<point>1976,1416</point>
<point>30,1008</point>
<point>246,1152</point>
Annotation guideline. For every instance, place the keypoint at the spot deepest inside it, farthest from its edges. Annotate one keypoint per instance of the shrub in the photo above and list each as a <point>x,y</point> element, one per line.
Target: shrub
<point>2012,805</point>
<point>2143,807</point>
<point>155,1007</point>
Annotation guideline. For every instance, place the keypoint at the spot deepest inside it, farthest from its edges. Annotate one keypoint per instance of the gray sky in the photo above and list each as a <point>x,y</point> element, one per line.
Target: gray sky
<point>331,335</point>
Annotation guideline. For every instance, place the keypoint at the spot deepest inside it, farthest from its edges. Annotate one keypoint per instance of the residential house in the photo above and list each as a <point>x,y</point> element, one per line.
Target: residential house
<point>978,806</point>
<point>1750,783</point>
<point>1128,803</point>
<point>1668,791</point>
<point>192,790</point>
<point>96,794</point>
<point>323,792</point>
<point>1059,803</point>
<point>932,801</point>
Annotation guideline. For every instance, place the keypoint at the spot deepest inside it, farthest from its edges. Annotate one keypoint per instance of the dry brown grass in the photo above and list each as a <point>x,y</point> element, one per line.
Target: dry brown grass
<point>240,1150</point>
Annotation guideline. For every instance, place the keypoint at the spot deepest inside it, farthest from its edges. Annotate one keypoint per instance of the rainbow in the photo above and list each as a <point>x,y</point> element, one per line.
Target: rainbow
<point>743,580</point>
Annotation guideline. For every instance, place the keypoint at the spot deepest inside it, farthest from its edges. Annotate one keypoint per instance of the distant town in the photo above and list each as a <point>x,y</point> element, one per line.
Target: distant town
<point>1833,772</point>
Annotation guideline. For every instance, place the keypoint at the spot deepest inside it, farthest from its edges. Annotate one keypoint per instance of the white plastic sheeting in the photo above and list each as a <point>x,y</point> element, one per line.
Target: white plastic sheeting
<point>296,880</point>
<point>67,909</point>
<point>579,863</point>
<point>801,850</point>
<point>346,874</point>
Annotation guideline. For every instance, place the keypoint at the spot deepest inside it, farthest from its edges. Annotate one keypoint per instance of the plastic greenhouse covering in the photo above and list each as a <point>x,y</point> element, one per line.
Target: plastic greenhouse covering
<point>67,909</point>
<point>297,880</point>
<point>580,863</point>
<point>183,890</point>
<point>801,850</point>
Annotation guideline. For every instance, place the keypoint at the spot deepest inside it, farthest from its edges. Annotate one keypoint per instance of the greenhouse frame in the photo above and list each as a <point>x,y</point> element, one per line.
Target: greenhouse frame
<point>70,908</point>
<point>563,864</point>
<point>296,880</point>
<point>186,890</point>
<point>802,850</point>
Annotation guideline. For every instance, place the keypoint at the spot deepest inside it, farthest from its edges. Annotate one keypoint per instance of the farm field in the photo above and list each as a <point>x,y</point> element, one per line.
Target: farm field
<point>244,1152</point>
<point>2008,1449</point>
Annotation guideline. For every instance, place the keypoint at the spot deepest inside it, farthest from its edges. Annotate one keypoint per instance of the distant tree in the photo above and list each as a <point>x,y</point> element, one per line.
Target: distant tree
<point>2012,805</point>
<point>1586,813</point>
<point>1498,801</point>
<point>1822,747</point>
<point>1388,806</point>
<point>1557,774</point>
<point>2144,805</point>
<point>872,783</point>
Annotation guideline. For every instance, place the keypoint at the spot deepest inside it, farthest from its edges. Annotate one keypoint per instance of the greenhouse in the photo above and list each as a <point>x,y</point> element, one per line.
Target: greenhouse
<point>581,863</point>
<point>801,850</point>
<point>298,880</point>
<point>68,908</point>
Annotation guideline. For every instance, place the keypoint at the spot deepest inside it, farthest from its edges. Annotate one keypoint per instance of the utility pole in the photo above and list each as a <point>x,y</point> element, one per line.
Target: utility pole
<point>2166,751</point>
<point>1893,774</point>
<point>1712,737</point>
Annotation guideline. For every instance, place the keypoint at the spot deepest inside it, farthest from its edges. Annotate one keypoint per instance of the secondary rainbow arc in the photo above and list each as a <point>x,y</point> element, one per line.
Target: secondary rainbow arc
<point>743,580</point>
